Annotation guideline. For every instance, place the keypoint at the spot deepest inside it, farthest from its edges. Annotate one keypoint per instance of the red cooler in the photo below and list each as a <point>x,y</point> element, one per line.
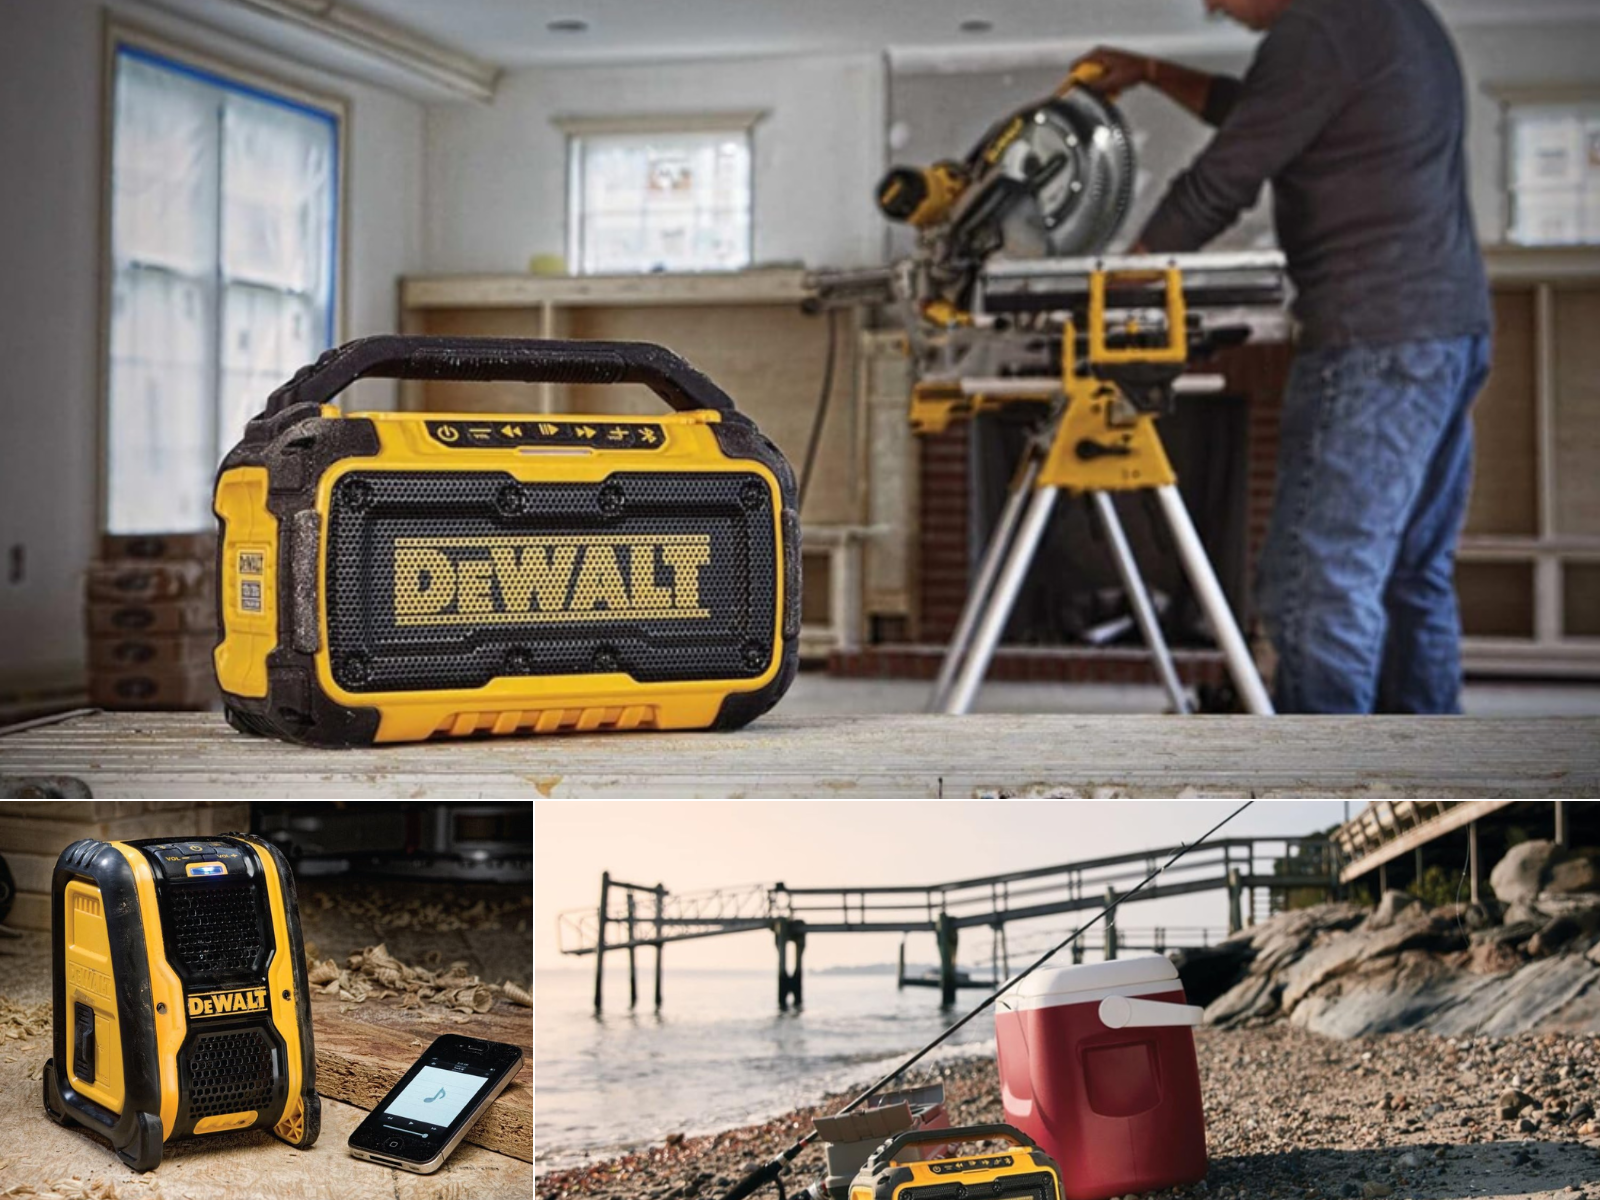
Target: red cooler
<point>1097,1065</point>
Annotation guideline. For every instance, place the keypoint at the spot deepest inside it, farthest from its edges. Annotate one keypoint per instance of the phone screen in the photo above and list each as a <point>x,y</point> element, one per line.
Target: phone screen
<point>430,1109</point>
<point>436,1095</point>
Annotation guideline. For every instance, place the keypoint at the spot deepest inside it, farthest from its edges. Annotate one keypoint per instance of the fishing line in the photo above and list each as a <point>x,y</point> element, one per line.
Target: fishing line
<point>770,1172</point>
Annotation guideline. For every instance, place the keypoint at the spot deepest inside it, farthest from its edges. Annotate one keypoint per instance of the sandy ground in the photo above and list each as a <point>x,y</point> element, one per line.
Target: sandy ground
<point>37,1154</point>
<point>1289,1114</point>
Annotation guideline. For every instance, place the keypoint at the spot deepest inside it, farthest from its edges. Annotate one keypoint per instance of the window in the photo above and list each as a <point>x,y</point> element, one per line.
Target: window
<point>674,200</point>
<point>1553,168</point>
<point>224,249</point>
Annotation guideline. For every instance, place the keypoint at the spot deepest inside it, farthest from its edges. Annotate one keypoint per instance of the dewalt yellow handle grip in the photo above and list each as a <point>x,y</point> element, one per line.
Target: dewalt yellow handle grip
<point>1085,74</point>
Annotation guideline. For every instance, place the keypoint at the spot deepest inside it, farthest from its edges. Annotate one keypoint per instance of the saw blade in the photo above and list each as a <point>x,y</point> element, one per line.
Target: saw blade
<point>1075,157</point>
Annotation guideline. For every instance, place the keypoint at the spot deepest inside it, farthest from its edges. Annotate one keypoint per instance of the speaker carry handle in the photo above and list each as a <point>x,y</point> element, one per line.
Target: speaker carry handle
<point>516,360</point>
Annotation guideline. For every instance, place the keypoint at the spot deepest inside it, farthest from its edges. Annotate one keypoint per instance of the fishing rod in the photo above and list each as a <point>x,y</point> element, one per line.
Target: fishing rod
<point>770,1172</point>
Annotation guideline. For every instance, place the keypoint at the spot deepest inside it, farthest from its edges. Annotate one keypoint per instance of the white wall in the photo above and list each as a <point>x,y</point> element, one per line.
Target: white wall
<point>496,175</point>
<point>944,113</point>
<point>1541,55</point>
<point>51,114</point>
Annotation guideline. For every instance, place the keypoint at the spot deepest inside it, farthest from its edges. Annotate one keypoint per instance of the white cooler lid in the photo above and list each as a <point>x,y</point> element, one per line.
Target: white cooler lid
<point>1139,976</point>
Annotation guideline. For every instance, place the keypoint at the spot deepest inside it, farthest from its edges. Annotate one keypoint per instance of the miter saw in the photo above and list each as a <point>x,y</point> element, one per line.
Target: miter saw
<point>1051,180</point>
<point>1010,299</point>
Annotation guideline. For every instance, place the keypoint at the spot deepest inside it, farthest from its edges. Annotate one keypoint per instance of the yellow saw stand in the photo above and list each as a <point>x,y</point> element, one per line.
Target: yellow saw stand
<point>1094,441</point>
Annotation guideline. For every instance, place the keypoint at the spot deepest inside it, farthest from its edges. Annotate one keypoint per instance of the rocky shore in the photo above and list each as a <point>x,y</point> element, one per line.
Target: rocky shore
<point>1525,961</point>
<point>1289,1114</point>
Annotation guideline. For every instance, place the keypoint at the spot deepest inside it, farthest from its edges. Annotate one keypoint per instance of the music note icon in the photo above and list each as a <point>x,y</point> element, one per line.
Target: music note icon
<point>439,1095</point>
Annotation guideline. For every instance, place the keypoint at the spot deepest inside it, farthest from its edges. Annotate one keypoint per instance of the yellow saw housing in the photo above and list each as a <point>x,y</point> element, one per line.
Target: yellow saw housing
<point>180,999</point>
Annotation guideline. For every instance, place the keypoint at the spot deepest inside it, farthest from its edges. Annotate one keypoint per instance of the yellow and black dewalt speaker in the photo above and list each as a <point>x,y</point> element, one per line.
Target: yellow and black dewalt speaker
<point>1023,1172</point>
<point>180,994</point>
<point>389,577</point>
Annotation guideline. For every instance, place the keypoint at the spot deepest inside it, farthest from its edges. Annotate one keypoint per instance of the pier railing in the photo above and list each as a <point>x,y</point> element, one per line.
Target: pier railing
<point>632,915</point>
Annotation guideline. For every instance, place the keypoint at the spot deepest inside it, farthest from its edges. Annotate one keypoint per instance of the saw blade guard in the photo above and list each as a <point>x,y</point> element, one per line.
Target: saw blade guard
<point>1074,160</point>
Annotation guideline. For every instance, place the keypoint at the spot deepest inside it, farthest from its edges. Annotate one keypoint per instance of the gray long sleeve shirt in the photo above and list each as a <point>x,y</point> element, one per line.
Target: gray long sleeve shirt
<point>1354,110</point>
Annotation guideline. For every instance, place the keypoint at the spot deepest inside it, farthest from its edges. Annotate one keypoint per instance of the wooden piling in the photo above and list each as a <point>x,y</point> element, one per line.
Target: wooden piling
<point>1472,857</point>
<point>946,931</point>
<point>600,943</point>
<point>661,897</point>
<point>1111,924</point>
<point>633,975</point>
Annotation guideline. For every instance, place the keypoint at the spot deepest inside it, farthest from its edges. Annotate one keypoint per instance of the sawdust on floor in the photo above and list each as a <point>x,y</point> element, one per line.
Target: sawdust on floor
<point>40,1159</point>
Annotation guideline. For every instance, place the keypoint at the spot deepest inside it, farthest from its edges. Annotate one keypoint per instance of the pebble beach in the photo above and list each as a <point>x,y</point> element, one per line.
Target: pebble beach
<point>1289,1114</point>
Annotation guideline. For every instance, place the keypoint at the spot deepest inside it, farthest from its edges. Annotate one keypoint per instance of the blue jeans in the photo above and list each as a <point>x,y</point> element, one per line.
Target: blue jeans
<point>1357,577</point>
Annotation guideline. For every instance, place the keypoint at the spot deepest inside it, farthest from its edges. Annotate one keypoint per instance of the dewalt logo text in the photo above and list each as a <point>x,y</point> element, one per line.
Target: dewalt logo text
<point>89,980</point>
<point>224,1004</point>
<point>522,579</point>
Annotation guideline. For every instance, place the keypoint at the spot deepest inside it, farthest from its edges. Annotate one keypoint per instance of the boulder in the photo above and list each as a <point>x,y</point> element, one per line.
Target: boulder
<point>1580,873</point>
<point>1208,971</point>
<point>1520,875</point>
<point>1564,928</point>
<point>1253,998</point>
<point>1391,907</point>
<point>1521,912</point>
<point>1541,869</point>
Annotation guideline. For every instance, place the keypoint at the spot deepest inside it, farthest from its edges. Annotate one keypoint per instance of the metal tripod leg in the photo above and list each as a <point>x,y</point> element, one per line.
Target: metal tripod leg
<point>1000,604</point>
<point>993,555</point>
<point>1241,666</point>
<point>1139,598</point>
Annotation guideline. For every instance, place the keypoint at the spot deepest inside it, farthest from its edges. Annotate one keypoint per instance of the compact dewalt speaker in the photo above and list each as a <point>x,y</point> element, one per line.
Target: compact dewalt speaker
<point>1022,1173</point>
<point>180,994</point>
<point>388,577</point>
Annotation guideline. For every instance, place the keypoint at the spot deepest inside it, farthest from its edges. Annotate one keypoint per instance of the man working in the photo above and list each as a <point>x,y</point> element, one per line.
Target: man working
<point>1354,110</point>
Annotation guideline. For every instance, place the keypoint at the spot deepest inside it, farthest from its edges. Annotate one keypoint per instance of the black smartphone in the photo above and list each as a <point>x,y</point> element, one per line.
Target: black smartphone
<point>425,1116</point>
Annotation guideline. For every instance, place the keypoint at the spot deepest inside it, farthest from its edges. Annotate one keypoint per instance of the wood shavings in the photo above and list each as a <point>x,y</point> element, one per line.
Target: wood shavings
<point>446,913</point>
<point>67,1189</point>
<point>21,1021</point>
<point>374,973</point>
<point>517,995</point>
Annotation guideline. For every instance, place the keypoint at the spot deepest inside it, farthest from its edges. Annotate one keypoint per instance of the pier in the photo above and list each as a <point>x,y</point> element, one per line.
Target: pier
<point>631,916</point>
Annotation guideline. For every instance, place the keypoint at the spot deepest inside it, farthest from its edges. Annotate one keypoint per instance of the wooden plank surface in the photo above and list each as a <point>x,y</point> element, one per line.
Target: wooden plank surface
<point>196,754</point>
<point>38,835</point>
<point>363,1049</point>
<point>29,910</point>
<point>769,285</point>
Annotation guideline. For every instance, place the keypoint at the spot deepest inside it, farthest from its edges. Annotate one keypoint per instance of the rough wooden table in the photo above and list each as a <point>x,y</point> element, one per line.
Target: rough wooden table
<point>178,755</point>
<point>363,1049</point>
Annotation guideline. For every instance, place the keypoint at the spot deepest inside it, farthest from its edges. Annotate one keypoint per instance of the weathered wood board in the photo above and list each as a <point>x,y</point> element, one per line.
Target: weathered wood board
<point>988,754</point>
<point>363,1049</point>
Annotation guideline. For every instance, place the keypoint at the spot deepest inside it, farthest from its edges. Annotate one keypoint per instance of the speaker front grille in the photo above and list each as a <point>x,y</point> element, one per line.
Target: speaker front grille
<point>441,580</point>
<point>216,931</point>
<point>230,1073</point>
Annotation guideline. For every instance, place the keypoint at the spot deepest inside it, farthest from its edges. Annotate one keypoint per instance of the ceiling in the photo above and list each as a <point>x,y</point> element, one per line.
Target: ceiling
<point>515,33</point>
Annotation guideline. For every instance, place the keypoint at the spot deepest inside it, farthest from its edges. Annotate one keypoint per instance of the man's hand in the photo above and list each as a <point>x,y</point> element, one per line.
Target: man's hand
<point>1119,70</point>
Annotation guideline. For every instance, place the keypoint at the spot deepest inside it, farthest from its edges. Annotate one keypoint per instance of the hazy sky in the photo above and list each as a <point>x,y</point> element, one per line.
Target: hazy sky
<point>696,845</point>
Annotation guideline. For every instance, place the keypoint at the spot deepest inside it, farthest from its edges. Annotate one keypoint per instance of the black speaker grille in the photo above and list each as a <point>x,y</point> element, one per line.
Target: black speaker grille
<point>229,1073</point>
<point>1038,1185</point>
<point>449,580</point>
<point>215,931</point>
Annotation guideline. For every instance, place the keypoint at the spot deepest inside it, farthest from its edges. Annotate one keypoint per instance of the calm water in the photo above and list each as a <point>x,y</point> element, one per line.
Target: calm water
<point>719,1054</point>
